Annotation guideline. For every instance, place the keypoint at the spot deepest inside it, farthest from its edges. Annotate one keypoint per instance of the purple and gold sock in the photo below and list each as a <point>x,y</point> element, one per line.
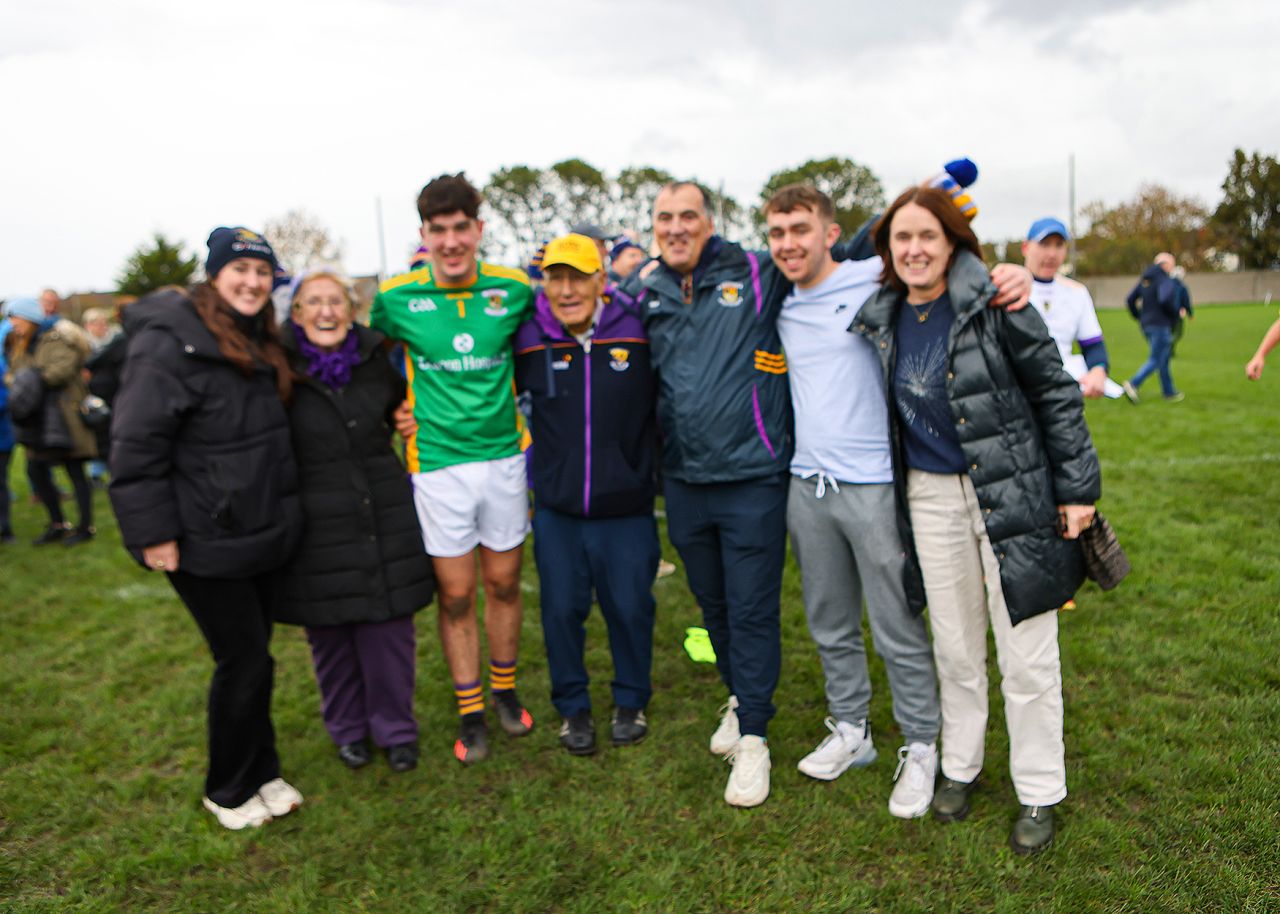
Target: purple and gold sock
<point>502,675</point>
<point>470,697</point>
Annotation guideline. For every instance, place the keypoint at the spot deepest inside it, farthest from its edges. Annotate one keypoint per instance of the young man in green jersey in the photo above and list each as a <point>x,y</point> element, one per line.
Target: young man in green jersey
<point>456,317</point>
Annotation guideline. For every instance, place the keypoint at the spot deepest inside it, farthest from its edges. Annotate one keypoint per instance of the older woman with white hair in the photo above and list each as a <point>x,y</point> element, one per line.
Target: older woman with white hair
<point>361,571</point>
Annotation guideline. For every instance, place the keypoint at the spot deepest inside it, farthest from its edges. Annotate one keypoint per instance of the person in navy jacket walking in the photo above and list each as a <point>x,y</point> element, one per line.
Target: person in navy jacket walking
<point>583,363</point>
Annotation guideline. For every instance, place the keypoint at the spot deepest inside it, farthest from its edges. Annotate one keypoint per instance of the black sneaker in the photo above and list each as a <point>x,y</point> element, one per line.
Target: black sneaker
<point>56,533</point>
<point>951,799</point>
<point>6,536</point>
<point>629,726</point>
<point>578,734</point>
<point>354,755</point>
<point>403,757</point>
<point>472,744</point>
<point>514,718</point>
<point>78,536</point>
<point>1033,831</point>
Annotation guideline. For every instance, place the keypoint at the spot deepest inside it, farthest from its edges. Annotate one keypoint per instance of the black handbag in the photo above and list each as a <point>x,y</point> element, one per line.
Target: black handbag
<point>1104,559</point>
<point>95,412</point>
<point>26,396</point>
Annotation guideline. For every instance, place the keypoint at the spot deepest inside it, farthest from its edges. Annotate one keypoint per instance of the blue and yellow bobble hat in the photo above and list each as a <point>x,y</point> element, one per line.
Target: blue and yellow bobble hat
<point>955,177</point>
<point>228,244</point>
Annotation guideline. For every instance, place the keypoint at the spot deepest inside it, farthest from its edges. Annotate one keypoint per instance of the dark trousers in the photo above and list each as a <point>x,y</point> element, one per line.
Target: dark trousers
<point>732,538</point>
<point>235,618</point>
<point>365,673</point>
<point>618,556</point>
<point>6,525</point>
<point>40,474</point>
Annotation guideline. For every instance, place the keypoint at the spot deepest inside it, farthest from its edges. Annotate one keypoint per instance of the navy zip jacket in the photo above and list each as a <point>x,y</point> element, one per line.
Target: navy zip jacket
<point>724,406</point>
<point>592,417</point>
<point>1158,296</point>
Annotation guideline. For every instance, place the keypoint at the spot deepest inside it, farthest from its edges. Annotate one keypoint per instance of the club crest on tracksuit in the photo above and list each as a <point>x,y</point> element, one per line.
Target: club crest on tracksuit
<point>618,358</point>
<point>730,294</point>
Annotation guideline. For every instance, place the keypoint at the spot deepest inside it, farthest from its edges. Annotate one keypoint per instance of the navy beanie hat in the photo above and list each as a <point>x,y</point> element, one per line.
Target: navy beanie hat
<point>228,244</point>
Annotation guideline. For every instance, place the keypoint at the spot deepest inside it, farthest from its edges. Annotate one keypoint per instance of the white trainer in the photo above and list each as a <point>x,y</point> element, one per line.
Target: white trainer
<point>749,781</point>
<point>726,736</point>
<point>280,797</point>
<point>249,814</point>
<point>917,769</point>
<point>846,746</point>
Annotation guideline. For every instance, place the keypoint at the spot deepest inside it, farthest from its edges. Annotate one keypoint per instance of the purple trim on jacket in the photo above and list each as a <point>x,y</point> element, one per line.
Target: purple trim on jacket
<point>618,480</point>
<point>755,287</point>
<point>755,407</point>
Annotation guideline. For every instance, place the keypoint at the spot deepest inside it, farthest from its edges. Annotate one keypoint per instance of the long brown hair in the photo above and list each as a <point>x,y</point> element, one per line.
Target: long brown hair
<point>240,350</point>
<point>954,225</point>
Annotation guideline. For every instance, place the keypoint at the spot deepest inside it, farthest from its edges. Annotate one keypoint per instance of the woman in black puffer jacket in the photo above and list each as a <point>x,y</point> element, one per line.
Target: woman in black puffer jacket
<point>204,488</point>
<point>997,476</point>
<point>362,571</point>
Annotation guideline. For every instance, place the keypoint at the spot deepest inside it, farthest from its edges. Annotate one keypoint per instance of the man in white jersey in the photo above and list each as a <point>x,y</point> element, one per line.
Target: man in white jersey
<point>1067,309</point>
<point>841,514</point>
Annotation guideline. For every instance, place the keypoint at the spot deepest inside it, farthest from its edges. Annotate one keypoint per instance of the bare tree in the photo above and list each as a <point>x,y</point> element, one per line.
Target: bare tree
<point>300,240</point>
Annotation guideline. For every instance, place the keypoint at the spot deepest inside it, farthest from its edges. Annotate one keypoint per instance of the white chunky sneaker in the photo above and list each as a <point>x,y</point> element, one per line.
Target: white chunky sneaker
<point>280,797</point>
<point>726,736</point>
<point>749,781</point>
<point>249,814</point>
<point>846,746</point>
<point>917,768</point>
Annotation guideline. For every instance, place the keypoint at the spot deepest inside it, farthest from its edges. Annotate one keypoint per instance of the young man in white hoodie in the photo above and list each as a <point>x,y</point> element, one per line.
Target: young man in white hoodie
<point>841,514</point>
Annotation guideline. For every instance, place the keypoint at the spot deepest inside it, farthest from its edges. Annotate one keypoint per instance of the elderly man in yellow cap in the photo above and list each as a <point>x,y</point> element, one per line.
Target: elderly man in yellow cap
<point>582,361</point>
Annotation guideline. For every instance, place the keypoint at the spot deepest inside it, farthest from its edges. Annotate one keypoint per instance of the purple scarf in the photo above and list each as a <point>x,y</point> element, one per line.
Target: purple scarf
<point>331,368</point>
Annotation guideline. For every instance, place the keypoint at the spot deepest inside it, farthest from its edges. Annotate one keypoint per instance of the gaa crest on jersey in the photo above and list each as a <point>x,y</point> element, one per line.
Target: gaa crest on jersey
<point>497,302</point>
<point>619,358</point>
<point>463,343</point>
<point>421,305</point>
<point>730,294</point>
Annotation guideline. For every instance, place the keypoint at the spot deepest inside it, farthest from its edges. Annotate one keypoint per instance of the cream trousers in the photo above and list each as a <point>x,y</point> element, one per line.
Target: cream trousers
<point>957,561</point>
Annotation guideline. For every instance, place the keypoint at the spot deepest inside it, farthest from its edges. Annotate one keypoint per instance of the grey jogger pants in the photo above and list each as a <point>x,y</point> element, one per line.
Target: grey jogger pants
<point>848,548</point>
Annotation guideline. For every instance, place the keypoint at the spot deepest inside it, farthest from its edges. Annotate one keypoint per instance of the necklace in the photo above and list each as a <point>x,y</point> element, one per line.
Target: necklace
<point>922,316</point>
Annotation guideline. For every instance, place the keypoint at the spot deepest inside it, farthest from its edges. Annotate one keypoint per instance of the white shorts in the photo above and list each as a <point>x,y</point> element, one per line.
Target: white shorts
<point>483,503</point>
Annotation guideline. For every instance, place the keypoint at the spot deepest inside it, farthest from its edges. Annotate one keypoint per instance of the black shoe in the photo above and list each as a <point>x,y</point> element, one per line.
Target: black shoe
<point>403,757</point>
<point>629,726</point>
<point>1033,831</point>
<point>513,716</point>
<point>6,536</point>
<point>951,799</point>
<point>354,755</point>
<point>578,734</point>
<point>54,534</point>
<point>78,536</point>
<point>472,744</point>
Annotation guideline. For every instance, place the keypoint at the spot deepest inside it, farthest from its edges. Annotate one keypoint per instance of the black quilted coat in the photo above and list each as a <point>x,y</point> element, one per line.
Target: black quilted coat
<point>361,558</point>
<point>199,452</point>
<point>1020,420</point>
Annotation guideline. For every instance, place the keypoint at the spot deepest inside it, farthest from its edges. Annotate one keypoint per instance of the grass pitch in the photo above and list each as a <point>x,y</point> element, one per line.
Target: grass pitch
<point>1173,734</point>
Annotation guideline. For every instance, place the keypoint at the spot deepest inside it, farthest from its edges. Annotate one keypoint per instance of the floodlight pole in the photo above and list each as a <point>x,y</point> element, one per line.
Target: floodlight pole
<point>382,241</point>
<point>1071,202</point>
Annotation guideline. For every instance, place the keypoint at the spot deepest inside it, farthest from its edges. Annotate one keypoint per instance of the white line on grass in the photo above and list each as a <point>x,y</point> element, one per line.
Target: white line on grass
<point>1203,460</point>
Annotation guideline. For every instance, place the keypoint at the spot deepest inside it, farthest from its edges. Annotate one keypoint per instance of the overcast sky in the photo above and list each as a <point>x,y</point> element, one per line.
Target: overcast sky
<point>124,118</point>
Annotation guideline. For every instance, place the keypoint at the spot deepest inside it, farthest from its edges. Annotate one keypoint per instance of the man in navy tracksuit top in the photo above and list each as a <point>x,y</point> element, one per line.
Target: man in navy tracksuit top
<point>583,360</point>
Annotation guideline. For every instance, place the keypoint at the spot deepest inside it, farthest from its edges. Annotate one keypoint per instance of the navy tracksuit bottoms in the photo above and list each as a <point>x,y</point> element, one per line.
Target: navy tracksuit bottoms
<point>618,558</point>
<point>732,538</point>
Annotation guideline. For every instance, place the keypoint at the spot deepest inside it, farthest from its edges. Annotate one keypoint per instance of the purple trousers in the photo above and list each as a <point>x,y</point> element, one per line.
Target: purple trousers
<point>365,671</point>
